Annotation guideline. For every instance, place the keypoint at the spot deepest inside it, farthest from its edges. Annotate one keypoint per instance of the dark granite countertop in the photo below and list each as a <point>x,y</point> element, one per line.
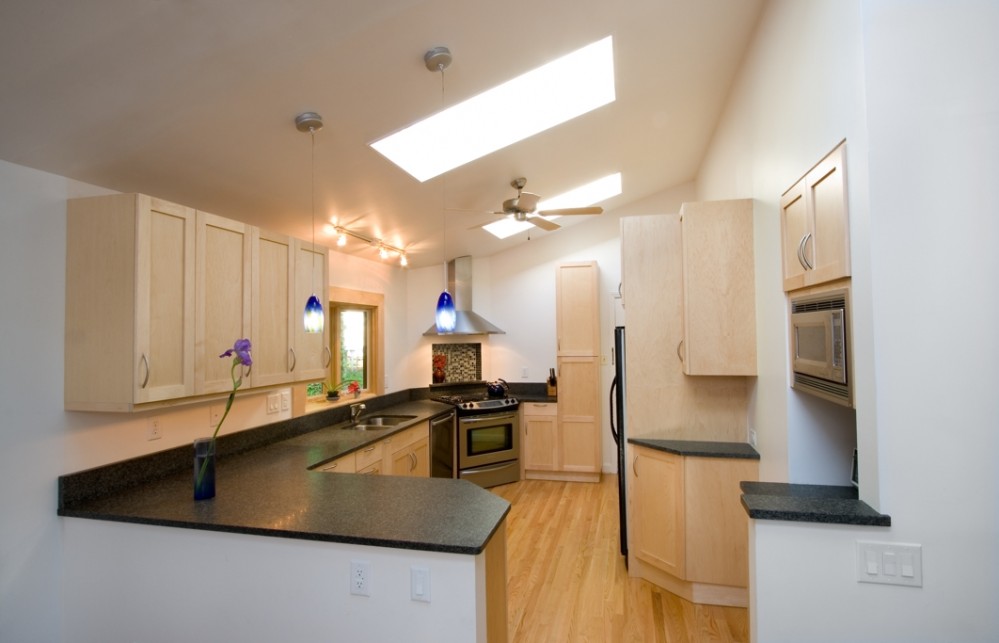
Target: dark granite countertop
<point>699,448</point>
<point>267,489</point>
<point>809,503</point>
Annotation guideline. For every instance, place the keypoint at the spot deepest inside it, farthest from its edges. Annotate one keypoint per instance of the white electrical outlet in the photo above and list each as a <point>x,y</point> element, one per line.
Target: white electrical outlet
<point>273,403</point>
<point>419,584</point>
<point>752,438</point>
<point>524,372</point>
<point>285,400</point>
<point>889,563</point>
<point>153,430</point>
<point>360,578</point>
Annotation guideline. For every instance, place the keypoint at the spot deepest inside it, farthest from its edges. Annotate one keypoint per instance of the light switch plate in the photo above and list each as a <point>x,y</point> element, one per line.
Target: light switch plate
<point>890,563</point>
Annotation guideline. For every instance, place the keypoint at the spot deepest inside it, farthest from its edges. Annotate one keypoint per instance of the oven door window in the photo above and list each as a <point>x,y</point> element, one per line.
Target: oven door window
<point>489,439</point>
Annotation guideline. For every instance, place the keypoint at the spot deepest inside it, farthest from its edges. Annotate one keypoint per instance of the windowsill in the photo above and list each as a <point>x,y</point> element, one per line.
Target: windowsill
<point>317,404</point>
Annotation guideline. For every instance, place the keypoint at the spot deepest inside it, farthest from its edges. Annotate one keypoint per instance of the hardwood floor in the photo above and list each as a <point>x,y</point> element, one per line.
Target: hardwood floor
<point>567,580</point>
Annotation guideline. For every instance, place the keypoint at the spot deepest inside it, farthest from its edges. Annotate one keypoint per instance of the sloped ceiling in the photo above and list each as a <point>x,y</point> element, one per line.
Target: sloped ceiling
<point>194,101</point>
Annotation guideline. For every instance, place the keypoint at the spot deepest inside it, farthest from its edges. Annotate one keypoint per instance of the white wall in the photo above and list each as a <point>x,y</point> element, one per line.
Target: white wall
<point>191,585</point>
<point>907,83</point>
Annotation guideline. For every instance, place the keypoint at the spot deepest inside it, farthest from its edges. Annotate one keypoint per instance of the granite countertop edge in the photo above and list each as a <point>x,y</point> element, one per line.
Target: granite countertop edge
<point>266,487</point>
<point>827,504</point>
<point>699,448</point>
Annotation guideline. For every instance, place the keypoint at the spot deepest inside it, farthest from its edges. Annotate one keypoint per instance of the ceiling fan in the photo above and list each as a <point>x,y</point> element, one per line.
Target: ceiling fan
<point>522,208</point>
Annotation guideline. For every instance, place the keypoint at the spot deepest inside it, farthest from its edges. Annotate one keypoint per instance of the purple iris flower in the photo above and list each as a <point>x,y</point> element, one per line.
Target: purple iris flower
<point>242,350</point>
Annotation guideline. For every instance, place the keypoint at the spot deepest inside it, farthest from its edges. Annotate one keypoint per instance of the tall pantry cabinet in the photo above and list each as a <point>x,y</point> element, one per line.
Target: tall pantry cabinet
<point>577,319</point>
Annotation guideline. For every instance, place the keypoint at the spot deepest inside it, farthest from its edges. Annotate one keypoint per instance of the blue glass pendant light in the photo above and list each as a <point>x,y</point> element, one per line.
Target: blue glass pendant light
<point>313,318</point>
<point>437,60</point>
<point>446,316</point>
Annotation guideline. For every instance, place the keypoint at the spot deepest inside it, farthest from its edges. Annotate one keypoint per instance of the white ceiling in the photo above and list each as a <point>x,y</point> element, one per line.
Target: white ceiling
<point>194,101</point>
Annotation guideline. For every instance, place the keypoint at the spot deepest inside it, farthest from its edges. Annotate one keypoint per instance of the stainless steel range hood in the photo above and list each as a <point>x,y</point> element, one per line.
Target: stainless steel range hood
<point>459,284</point>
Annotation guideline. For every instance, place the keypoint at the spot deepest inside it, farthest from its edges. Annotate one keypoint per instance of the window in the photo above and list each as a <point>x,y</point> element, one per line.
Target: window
<point>357,339</point>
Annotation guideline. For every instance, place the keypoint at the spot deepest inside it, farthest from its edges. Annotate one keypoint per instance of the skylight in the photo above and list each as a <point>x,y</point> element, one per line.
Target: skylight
<point>589,194</point>
<point>554,93</point>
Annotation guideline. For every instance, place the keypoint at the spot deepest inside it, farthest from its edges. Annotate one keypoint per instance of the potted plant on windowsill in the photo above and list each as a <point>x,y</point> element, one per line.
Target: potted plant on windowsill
<point>333,391</point>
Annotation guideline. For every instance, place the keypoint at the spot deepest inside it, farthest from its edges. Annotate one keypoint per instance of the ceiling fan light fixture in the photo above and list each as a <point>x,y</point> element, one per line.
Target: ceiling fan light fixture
<point>558,91</point>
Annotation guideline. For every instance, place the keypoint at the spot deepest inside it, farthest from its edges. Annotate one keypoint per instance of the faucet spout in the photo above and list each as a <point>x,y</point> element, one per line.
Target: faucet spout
<point>355,410</point>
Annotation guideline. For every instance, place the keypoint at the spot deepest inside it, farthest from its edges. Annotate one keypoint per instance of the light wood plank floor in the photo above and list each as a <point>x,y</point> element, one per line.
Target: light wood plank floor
<point>567,580</point>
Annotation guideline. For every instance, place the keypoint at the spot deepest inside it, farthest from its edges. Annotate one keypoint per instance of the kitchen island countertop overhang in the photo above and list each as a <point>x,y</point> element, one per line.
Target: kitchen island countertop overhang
<point>270,491</point>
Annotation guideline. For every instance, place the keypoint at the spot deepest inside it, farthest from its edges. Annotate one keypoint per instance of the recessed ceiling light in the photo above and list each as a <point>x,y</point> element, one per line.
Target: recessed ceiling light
<point>589,194</point>
<point>554,93</point>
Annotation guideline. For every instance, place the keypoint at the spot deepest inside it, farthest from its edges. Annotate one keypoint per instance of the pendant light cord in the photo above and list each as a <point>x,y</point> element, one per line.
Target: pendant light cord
<point>312,133</point>
<point>440,66</point>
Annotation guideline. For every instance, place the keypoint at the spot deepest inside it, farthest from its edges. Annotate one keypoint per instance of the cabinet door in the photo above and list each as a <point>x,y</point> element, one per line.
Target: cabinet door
<point>658,509</point>
<point>273,315</point>
<point>412,460</point>
<point>344,464</point>
<point>165,304</point>
<point>830,253</point>
<point>312,354</point>
<point>577,312</point>
<point>540,436</point>
<point>796,229</point>
<point>223,300</point>
<point>719,289</point>
<point>579,414</point>
<point>815,225</point>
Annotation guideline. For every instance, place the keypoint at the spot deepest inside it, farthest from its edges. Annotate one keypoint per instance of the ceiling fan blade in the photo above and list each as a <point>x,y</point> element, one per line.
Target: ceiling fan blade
<point>543,223</point>
<point>571,211</point>
<point>527,201</point>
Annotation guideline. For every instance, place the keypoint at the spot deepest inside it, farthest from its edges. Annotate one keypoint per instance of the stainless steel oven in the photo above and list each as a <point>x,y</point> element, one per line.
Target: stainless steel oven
<point>489,448</point>
<point>487,438</point>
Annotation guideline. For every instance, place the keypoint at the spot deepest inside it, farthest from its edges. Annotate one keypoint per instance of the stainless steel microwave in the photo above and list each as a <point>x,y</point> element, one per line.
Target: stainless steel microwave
<point>820,346</point>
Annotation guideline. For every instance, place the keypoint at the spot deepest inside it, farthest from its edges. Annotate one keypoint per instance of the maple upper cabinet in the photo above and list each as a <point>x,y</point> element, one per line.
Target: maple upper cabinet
<point>719,288</point>
<point>223,306</point>
<point>311,351</point>
<point>155,291</point>
<point>577,312</point>
<point>130,302</point>
<point>815,224</point>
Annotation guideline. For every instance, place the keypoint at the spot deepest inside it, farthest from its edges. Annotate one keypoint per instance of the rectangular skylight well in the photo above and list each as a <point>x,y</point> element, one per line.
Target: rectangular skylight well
<point>589,194</point>
<point>554,93</point>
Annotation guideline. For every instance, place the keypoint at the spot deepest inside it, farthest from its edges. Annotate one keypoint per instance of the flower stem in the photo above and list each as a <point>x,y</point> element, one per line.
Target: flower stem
<point>228,405</point>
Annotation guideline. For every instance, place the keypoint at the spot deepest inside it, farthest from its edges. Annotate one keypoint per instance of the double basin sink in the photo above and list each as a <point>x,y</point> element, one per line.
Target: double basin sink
<point>377,422</point>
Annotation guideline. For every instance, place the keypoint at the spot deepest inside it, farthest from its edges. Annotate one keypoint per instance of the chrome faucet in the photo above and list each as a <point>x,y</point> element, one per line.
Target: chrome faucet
<point>355,410</point>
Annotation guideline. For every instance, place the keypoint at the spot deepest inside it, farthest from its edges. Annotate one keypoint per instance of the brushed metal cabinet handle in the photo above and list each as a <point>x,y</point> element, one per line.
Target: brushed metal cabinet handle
<point>294,359</point>
<point>145,363</point>
<point>679,353</point>
<point>634,466</point>
<point>329,356</point>
<point>804,257</point>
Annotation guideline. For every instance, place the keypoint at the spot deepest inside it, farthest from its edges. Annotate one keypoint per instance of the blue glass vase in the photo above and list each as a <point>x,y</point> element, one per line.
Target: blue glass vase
<point>204,458</point>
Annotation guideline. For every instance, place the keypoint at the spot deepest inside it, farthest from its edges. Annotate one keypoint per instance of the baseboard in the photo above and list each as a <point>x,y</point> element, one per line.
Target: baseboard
<point>694,592</point>
<point>562,476</point>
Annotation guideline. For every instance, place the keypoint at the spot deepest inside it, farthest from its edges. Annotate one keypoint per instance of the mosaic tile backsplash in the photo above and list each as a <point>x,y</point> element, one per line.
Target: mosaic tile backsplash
<point>463,361</point>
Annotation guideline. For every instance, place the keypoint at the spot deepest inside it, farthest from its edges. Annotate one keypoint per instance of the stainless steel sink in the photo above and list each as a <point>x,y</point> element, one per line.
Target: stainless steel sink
<point>379,422</point>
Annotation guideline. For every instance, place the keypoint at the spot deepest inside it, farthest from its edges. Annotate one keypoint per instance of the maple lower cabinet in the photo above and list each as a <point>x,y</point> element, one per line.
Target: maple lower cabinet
<point>579,419</point>
<point>223,301</point>
<point>408,452</point>
<point>130,302</point>
<point>719,289</point>
<point>815,224</point>
<point>540,437</point>
<point>688,531</point>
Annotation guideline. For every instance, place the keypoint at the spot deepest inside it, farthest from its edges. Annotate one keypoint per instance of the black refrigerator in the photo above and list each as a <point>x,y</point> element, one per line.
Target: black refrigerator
<point>618,431</point>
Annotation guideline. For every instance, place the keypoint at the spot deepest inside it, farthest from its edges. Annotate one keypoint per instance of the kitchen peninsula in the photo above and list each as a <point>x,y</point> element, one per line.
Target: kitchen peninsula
<point>269,557</point>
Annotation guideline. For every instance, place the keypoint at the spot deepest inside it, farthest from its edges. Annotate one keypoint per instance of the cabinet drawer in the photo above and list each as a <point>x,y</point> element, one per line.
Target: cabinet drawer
<point>345,464</point>
<point>368,455</point>
<point>539,408</point>
<point>405,438</point>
